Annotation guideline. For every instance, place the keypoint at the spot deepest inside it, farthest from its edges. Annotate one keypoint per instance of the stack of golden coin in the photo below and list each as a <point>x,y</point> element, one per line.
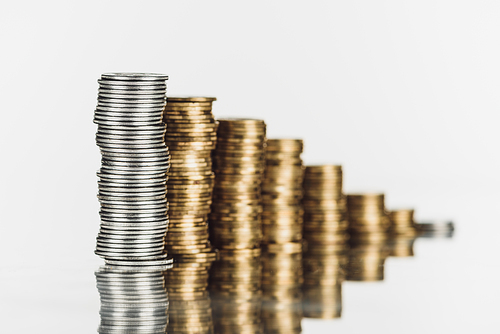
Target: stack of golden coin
<point>367,215</point>
<point>235,291</point>
<point>239,160</point>
<point>191,137</point>
<point>325,211</point>
<point>325,236</point>
<point>369,224</point>
<point>281,287</point>
<point>324,271</point>
<point>282,236</point>
<point>403,232</point>
<point>282,191</point>
<point>187,285</point>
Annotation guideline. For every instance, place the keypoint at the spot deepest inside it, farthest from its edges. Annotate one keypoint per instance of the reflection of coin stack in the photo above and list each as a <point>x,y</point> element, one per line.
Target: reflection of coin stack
<point>403,233</point>
<point>281,287</point>
<point>282,236</point>
<point>324,272</point>
<point>187,286</point>
<point>191,138</point>
<point>135,161</point>
<point>235,291</point>
<point>132,301</point>
<point>235,220</point>
<point>325,235</point>
<point>369,224</point>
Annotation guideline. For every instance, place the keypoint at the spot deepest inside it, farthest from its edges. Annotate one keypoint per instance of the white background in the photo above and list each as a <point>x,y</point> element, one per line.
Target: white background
<point>403,94</point>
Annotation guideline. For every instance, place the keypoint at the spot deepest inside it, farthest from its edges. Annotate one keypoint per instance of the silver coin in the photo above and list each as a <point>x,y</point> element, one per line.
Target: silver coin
<point>134,208</point>
<point>133,150</point>
<point>132,238</point>
<point>130,146</point>
<point>124,116</point>
<point>120,217</point>
<point>136,232</point>
<point>107,223</point>
<point>129,123</point>
<point>136,220</point>
<point>126,76</point>
<point>132,215</point>
<point>165,158</point>
<point>122,245</point>
<point>157,183</point>
<point>135,171</point>
<point>134,178</point>
<point>126,98</point>
<point>131,84</point>
<point>135,119</point>
<point>134,138</point>
<point>127,256</point>
<point>121,103</point>
<point>139,282</point>
<point>165,163</point>
<point>110,272</point>
<point>161,261</point>
<point>132,90</point>
<point>125,205</point>
<point>110,153</point>
<point>107,186</point>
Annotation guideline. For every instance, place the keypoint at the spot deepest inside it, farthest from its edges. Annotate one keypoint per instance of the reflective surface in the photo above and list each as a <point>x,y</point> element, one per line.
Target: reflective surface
<point>229,297</point>
<point>449,285</point>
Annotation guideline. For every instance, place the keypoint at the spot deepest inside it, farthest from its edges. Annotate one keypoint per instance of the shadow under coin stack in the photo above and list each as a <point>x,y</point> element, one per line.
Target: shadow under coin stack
<point>369,225</point>
<point>191,138</point>
<point>403,233</point>
<point>135,162</point>
<point>325,236</point>
<point>282,237</point>
<point>235,291</point>
<point>235,225</point>
<point>132,301</point>
<point>187,286</point>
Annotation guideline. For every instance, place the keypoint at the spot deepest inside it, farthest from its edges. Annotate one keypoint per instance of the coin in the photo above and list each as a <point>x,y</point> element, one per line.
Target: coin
<point>135,160</point>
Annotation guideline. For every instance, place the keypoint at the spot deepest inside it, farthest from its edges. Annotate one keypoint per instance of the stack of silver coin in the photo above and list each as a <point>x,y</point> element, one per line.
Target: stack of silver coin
<point>132,301</point>
<point>135,162</point>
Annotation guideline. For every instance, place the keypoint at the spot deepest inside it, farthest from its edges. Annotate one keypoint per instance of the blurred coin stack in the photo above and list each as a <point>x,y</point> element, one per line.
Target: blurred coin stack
<point>187,286</point>
<point>235,280</point>
<point>135,162</point>
<point>325,211</point>
<point>132,301</point>
<point>282,192</point>
<point>325,236</point>
<point>239,161</point>
<point>281,287</point>
<point>435,229</point>
<point>282,236</point>
<point>403,233</point>
<point>369,225</point>
<point>191,138</point>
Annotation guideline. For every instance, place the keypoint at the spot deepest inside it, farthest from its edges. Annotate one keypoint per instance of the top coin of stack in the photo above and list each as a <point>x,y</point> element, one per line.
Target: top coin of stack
<point>135,161</point>
<point>235,220</point>
<point>191,138</point>
<point>368,216</point>
<point>325,212</point>
<point>282,191</point>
